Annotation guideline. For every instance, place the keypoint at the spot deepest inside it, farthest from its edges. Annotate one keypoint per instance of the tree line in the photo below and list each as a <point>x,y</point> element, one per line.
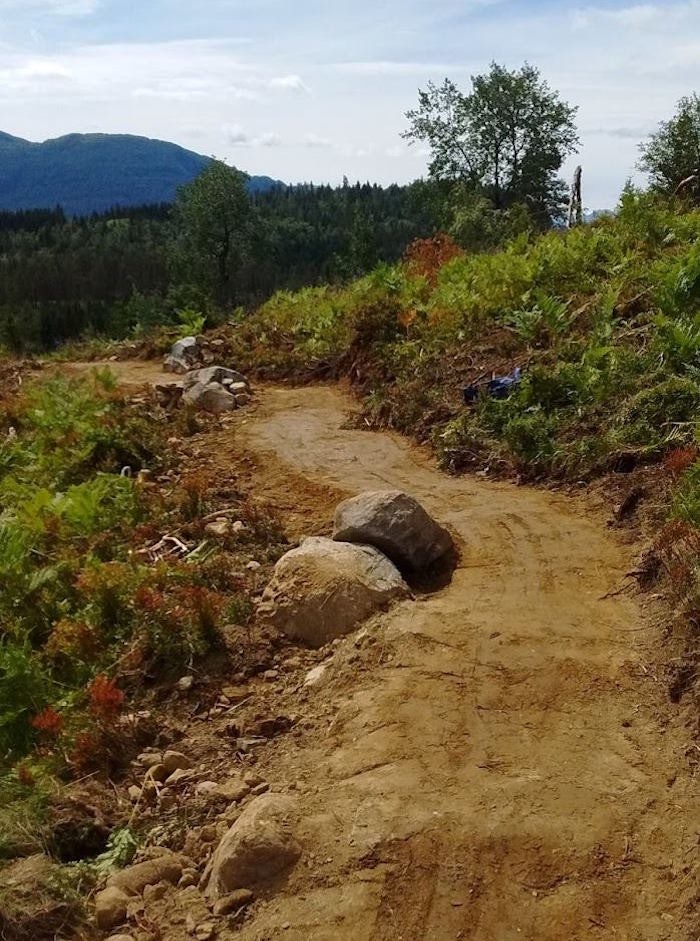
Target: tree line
<point>217,248</point>
<point>497,149</point>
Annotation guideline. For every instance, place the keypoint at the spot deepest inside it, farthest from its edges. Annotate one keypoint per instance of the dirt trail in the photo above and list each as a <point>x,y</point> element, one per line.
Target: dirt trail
<point>503,763</point>
<point>510,768</point>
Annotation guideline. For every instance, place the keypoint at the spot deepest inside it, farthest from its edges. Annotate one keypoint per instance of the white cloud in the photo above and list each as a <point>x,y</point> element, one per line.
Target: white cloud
<point>42,68</point>
<point>315,141</point>
<point>269,139</point>
<point>292,82</point>
<point>636,16</point>
<point>237,136</point>
<point>56,7</point>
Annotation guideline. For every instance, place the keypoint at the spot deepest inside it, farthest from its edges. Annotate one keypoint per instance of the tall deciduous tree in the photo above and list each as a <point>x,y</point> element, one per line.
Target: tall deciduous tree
<point>215,216</point>
<point>507,137</point>
<point>671,156</point>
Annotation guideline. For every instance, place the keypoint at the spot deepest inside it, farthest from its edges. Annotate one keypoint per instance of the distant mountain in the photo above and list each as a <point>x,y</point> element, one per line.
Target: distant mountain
<point>87,173</point>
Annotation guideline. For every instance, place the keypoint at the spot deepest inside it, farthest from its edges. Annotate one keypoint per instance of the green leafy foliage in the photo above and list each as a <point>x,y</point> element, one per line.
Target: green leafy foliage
<point>670,156</point>
<point>120,851</point>
<point>506,137</point>
<point>192,322</point>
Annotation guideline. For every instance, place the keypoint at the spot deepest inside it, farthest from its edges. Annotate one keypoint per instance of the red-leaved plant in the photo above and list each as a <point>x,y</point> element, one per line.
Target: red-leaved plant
<point>105,697</point>
<point>48,722</point>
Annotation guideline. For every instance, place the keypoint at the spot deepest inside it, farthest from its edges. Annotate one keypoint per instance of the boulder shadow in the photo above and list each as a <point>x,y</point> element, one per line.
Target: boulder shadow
<point>437,576</point>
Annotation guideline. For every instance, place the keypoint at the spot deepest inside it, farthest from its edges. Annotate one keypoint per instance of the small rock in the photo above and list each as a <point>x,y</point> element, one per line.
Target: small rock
<point>235,694</point>
<point>205,931</point>
<point>208,834</point>
<point>218,528</point>
<point>206,787</point>
<point>314,676</point>
<point>155,892</point>
<point>110,908</point>
<point>184,354</point>
<point>242,399</point>
<point>271,675</point>
<point>269,728</point>
<point>148,758</point>
<point>133,880</point>
<point>259,845</point>
<point>259,789</point>
<point>185,684</point>
<point>252,779</point>
<point>238,527</point>
<point>176,761</point>
<point>233,902</point>
<point>158,772</point>
<point>134,793</point>
<point>188,878</point>
<point>233,790</point>
<point>253,566</point>
<point>178,777</point>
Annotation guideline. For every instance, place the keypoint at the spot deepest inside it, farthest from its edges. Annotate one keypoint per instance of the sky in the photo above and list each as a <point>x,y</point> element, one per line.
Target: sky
<point>314,90</point>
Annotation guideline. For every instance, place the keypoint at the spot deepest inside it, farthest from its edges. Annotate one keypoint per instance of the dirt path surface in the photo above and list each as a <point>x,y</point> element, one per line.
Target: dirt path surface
<point>494,762</point>
<point>505,765</point>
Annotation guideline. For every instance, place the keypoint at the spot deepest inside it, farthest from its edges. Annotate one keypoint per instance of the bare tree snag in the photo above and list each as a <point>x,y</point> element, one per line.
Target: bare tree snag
<point>686,182</point>
<point>576,202</point>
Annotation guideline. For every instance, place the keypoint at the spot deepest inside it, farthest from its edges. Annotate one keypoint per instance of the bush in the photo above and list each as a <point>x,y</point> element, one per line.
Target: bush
<point>675,401</point>
<point>531,438</point>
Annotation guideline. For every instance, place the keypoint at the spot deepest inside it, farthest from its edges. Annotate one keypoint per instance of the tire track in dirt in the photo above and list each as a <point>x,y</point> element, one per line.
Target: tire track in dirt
<point>510,769</point>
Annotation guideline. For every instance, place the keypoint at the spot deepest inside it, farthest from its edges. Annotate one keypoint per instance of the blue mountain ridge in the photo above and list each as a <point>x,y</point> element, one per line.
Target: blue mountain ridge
<point>86,173</point>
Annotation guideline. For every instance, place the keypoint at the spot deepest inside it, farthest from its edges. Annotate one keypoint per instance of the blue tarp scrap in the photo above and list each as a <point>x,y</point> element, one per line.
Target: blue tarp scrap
<point>500,387</point>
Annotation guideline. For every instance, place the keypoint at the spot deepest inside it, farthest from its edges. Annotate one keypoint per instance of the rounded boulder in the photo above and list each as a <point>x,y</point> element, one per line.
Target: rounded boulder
<point>397,525</point>
<point>325,589</point>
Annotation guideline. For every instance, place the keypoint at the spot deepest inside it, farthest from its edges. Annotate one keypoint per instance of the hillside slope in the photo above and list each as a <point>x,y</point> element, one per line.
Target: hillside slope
<point>87,173</point>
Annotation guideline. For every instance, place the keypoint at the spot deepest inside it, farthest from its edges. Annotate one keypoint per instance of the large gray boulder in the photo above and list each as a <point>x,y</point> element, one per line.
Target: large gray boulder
<point>259,846</point>
<point>185,354</point>
<point>325,589</point>
<point>397,525</point>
